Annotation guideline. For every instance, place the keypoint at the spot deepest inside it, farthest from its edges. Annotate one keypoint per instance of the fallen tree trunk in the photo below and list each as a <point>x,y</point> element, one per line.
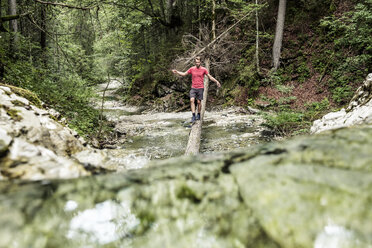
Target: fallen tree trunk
<point>193,145</point>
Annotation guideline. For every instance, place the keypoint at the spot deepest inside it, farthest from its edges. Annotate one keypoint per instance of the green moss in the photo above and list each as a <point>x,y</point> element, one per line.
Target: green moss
<point>187,193</point>
<point>7,92</point>
<point>147,219</point>
<point>13,113</point>
<point>18,103</point>
<point>32,97</point>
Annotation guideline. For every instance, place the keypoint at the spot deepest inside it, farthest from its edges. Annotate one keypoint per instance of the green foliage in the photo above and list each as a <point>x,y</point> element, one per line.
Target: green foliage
<point>318,106</point>
<point>352,38</point>
<point>289,122</point>
<point>61,73</point>
<point>342,94</point>
<point>284,88</point>
<point>286,100</point>
<point>303,71</point>
<point>70,95</point>
<point>247,72</point>
<point>307,10</point>
<point>277,78</point>
<point>285,122</point>
<point>66,92</point>
<point>316,109</point>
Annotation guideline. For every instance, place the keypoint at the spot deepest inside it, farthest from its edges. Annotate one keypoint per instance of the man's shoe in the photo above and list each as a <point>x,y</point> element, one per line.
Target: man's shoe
<point>193,119</point>
<point>198,117</point>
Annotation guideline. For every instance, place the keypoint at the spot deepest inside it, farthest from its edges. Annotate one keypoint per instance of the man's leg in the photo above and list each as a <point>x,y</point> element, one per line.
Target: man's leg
<point>199,101</point>
<point>199,109</point>
<point>192,103</point>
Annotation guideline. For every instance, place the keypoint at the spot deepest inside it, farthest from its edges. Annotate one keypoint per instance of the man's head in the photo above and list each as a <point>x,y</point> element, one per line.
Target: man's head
<point>197,62</point>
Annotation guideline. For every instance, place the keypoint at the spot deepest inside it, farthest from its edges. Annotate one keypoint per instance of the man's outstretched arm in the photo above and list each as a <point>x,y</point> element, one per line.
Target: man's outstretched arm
<point>214,80</point>
<point>179,73</point>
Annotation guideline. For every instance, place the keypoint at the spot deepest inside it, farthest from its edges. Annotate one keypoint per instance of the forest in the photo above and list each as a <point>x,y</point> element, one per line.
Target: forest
<point>297,59</point>
<point>96,144</point>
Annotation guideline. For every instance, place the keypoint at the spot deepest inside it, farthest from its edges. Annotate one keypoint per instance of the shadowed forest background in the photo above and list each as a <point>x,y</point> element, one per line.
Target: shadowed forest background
<point>61,50</point>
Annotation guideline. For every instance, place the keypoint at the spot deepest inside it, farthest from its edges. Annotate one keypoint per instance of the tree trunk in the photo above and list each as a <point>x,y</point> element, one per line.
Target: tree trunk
<point>43,39</point>
<point>213,19</point>
<point>279,34</point>
<point>1,65</point>
<point>13,24</point>
<point>257,39</point>
<point>169,13</point>
<point>193,145</point>
<point>199,18</point>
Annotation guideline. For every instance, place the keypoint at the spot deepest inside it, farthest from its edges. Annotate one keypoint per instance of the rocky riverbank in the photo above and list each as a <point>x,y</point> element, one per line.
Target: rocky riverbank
<point>36,145</point>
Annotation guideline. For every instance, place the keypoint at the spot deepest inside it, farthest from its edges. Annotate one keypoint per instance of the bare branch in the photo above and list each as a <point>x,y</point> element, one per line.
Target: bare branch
<point>151,13</point>
<point>64,5</point>
<point>13,17</point>
<point>219,37</point>
<point>51,36</point>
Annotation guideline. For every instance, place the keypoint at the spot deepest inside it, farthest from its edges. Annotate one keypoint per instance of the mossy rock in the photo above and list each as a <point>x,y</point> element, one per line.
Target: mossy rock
<point>32,97</point>
<point>18,103</point>
<point>13,113</point>
<point>306,192</point>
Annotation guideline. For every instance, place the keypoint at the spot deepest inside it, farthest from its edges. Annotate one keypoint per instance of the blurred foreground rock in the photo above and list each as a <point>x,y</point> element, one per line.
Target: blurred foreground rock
<point>306,192</point>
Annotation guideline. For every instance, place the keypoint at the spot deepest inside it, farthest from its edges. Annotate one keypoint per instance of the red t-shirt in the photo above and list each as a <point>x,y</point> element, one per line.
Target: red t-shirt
<point>197,75</point>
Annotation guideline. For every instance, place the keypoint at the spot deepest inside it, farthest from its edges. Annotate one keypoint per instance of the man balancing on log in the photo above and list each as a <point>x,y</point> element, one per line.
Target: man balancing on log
<point>197,87</point>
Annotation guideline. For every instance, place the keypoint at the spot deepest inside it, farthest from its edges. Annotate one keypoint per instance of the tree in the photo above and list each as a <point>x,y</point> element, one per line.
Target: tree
<point>257,39</point>
<point>13,24</point>
<point>43,25</point>
<point>279,34</point>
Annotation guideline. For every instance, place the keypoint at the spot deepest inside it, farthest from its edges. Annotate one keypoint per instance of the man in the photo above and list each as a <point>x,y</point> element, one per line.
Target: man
<point>197,87</point>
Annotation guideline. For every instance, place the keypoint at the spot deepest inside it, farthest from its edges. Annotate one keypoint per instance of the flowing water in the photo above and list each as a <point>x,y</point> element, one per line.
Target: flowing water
<point>149,135</point>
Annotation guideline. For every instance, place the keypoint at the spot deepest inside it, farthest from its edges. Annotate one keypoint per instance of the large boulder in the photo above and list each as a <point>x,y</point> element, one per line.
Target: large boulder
<point>306,192</point>
<point>33,145</point>
<point>359,111</point>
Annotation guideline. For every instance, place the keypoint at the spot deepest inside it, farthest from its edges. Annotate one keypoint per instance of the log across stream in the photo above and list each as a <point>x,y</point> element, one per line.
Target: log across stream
<point>148,135</point>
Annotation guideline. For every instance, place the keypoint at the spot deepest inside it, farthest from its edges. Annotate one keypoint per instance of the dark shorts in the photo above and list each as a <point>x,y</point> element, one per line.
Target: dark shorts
<point>197,93</point>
